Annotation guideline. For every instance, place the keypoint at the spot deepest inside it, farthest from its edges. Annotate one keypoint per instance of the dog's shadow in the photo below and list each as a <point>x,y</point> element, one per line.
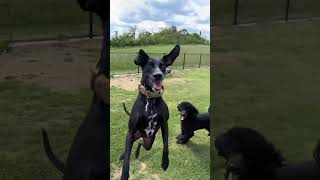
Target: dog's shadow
<point>202,151</point>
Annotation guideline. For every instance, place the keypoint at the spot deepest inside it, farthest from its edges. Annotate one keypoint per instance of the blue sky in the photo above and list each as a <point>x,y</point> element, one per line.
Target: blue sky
<point>152,15</point>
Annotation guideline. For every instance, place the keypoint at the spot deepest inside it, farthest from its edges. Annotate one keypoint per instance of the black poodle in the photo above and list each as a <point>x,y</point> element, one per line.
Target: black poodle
<point>249,156</point>
<point>191,120</point>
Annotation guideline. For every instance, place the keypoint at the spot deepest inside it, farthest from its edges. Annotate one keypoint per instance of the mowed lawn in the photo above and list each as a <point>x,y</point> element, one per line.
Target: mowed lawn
<point>122,58</point>
<point>263,10</point>
<point>267,78</point>
<point>26,108</point>
<point>190,161</point>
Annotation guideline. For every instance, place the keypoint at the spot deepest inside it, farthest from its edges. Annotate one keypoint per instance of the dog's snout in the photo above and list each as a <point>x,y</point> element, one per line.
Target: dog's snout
<point>158,76</point>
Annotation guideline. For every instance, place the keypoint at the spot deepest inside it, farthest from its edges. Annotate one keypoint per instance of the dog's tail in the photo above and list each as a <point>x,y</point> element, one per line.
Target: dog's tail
<point>316,153</point>
<point>53,158</point>
<point>126,110</point>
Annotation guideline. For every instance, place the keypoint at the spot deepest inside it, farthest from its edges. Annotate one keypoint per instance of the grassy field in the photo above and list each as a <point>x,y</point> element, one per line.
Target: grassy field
<point>45,19</point>
<point>122,58</point>
<point>3,46</point>
<point>189,161</point>
<point>267,77</point>
<point>263,10</point>
<point>26,108</point>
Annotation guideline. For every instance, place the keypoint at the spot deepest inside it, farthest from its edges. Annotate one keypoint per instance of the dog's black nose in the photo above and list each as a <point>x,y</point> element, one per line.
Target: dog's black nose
<point>157,76</point>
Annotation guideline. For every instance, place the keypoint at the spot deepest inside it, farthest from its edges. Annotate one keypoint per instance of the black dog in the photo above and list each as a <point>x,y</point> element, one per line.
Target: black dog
<point>191,120</point>
<point>249,156</point>
<point>88,158</point>
<point>149,111</point>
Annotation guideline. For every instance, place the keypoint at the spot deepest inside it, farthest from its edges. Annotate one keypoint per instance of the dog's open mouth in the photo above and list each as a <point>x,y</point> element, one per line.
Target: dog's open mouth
<point>157,86</point>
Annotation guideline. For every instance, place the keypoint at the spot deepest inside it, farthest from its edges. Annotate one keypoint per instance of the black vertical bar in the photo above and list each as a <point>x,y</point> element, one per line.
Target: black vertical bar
<point>138,70</point>
<point>184,60</point>
<point>287,10</point>
<point>200,61</point>
<point>90,25</point>
<point>235,19</point>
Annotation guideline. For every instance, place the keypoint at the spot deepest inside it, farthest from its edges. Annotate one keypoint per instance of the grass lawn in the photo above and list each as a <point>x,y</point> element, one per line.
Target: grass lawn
<point>191,161</point>
<point>40,20</point>
<point>4,45</point>
<point>122,58</point>
<point>24,110</point>
<point>267,77</point>
<point>263,10</point>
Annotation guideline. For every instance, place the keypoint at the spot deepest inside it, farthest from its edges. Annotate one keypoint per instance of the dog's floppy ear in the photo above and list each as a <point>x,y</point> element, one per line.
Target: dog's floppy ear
<point>169,58</point>
<point>142,58</point>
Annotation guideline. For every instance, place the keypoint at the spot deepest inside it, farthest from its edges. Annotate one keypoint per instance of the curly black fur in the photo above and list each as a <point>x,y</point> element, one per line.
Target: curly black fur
<point>191,120</point>
<point>250,156</point>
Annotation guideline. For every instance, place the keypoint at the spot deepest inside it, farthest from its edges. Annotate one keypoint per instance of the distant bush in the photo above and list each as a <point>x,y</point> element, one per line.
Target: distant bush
<point>166,36</point>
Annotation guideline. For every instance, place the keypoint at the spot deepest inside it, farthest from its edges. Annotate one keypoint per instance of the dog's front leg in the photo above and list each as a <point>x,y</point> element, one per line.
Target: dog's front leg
<point>165,154</point>
<point>127,153</point>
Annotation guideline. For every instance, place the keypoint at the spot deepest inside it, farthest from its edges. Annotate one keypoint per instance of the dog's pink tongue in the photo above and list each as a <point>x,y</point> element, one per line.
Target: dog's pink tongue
<point>158,85</point>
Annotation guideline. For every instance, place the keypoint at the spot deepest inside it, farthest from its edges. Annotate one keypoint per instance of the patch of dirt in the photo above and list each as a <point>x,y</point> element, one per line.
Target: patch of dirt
<point>59,66</point>
<point>143,171</point>
<point>130,82</point>
<point>143,168</point>
<point>155,176</point>
<point>116,175</point>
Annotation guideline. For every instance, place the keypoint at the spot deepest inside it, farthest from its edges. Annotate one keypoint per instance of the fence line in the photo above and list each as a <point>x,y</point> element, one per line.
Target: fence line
<point>45,20</point>
<point>246,11</point>
<point>122,63</point>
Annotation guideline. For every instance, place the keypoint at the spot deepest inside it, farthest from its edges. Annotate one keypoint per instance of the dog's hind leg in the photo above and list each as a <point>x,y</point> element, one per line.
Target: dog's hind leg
<point>137,135</point>
<point>127,153</point>
<point>165,152</point>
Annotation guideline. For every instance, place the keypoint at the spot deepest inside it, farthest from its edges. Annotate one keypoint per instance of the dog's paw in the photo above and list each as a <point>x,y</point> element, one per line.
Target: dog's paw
<point>179,136</point>
<point>165,161</point>
<point>182,141</point>
<point>124,177</point>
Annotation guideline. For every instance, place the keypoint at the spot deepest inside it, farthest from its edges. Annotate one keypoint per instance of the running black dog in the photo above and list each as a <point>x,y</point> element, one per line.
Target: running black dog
<point>88,158</point>
<point>191,120</point>
<point>249,156</point>
<point>149,112</point>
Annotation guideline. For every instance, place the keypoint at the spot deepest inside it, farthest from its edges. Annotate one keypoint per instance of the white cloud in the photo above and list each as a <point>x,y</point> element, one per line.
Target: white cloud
<point>152,15</point>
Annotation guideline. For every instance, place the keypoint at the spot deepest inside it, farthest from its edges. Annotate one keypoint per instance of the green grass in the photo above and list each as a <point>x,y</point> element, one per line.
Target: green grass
<point>24,110</point>
<point>263,10</point>
<point>267,77</point>
<point>4,45</point>
<point>122,58</point>
<point>188,48</point>
<point>189,161</point>
<point>38,20</point>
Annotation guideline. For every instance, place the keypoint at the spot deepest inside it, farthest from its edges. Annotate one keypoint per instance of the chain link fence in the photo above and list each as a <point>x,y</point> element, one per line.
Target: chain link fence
<point>44,20</point>
<point>249,11</point>
<point>122,63</point>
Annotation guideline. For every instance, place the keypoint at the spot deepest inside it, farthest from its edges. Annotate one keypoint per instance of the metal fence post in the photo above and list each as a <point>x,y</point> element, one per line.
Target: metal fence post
<point>184,60</point>
<point>90,25</point>
<point>287,10</point>
<point>236,7</point>
<point>200,61</point>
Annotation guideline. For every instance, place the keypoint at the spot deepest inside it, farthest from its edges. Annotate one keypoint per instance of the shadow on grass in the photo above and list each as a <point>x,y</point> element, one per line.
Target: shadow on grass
<point>199,150</point>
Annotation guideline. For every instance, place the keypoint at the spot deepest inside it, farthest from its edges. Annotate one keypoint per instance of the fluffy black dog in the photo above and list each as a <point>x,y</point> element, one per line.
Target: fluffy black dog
<point>191,120</point>
<point>249,156</point>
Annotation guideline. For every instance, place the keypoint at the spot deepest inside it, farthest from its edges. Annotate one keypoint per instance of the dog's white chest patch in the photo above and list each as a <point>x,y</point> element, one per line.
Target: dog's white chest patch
<point>151,125</point>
